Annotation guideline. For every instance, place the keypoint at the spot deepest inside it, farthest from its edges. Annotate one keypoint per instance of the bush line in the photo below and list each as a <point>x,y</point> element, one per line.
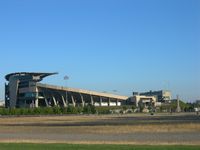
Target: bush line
<point>89,109</point>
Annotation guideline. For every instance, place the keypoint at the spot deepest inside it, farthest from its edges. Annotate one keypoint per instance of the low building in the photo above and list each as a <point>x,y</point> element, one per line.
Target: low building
<point>162,95</point>
<point>151,98</point>
<point>142,100</point>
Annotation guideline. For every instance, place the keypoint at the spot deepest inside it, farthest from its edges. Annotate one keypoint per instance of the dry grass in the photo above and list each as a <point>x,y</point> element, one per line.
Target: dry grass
<point>67,118</point>
<point>47,119</point>
<point>97,142</point>
<point>111,129</point>
<point>103,129</point>
<point>144,128</point>
<point>22,125</point>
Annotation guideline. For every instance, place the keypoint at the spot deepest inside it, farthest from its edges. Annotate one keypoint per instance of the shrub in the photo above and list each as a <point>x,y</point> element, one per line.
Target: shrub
<point>56,110</point>
<point>47,110</point>
<point>72,110</point>
<point>93,109</point>
<point>12,111</point>
<point>4,111</point>
<point>30,111</point>
<point>63,110</point>
<point>87,110</point>
<point>79,110</point>
<point>103,110</point>
<point>37,111</point>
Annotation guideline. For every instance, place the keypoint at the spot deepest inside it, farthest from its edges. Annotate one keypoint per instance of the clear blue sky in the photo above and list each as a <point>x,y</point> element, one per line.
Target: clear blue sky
<point>104,45</point>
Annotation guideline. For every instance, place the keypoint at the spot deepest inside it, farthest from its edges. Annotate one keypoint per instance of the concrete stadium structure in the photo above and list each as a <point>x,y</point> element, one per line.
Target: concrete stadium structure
<point>25,90</point>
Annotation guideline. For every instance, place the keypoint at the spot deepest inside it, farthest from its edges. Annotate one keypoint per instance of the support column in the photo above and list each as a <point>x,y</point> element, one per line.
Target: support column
<point>116,102</point>
<point>36,99</point>
<point>82,100</point>
<point>108,101</point>
<point>45,98</point>
<point>63,100</point>
<point>66,99</point>
<point>100,102</point>
<point>36,102</point>
<point>137,101</point>
<point>46,102</point>
<point>92,101</point>
<point>73,102</point>
<point>32,103</point>
<point>54,101</point>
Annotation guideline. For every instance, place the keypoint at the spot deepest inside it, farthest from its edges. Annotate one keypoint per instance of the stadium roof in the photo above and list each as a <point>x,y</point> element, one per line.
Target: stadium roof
<point>41,74</point>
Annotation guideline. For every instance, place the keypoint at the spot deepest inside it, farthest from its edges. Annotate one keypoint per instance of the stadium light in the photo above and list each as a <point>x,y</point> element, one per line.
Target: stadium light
<point>66,78</point>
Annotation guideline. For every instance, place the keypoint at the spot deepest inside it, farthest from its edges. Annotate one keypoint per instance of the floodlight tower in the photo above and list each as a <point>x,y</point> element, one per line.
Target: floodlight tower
<point>66,78</point>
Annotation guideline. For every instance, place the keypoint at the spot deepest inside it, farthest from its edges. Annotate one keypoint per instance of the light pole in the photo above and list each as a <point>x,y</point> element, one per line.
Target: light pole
<point>66,78</point>
<point>178,109</point>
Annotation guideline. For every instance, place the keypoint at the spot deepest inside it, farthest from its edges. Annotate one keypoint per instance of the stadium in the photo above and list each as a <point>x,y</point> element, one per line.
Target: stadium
<point>25,90</point>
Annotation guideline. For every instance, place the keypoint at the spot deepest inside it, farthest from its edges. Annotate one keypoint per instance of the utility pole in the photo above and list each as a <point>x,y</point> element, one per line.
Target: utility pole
<point>178,109</point>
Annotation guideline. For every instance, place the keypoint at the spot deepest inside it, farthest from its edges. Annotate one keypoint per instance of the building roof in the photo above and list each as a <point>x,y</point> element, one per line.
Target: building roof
<point>82,91</point>
<point>41,74</point>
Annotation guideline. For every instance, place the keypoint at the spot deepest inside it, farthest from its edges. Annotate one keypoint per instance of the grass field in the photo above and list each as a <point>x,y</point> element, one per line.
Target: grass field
<point>135,129</point>
<point>20,146</point>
